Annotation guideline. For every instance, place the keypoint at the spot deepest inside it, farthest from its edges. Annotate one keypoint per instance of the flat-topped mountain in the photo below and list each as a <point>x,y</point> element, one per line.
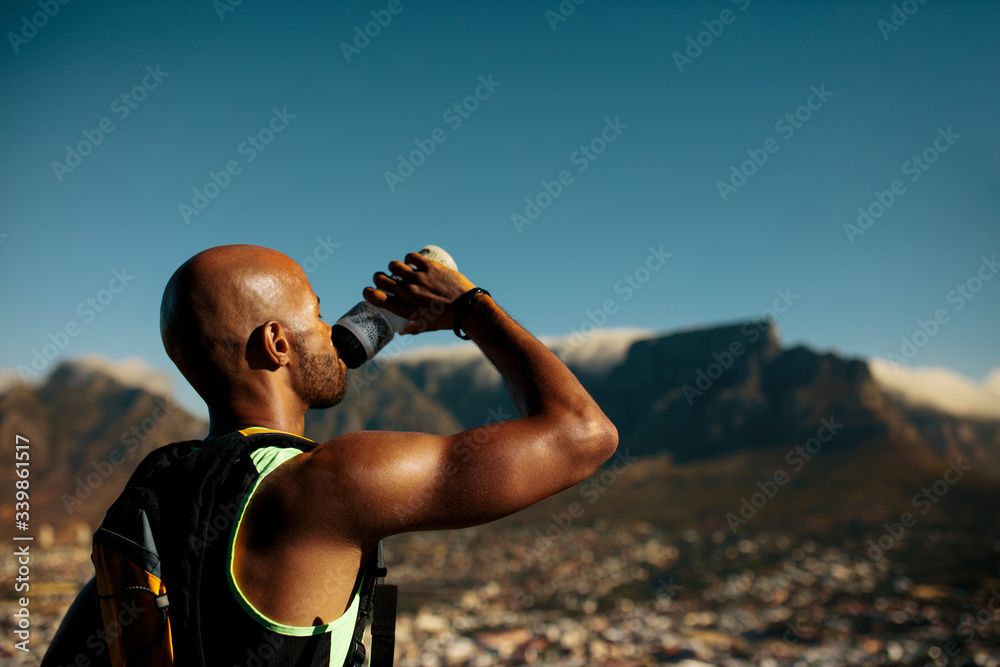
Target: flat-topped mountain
<point>731,398</point>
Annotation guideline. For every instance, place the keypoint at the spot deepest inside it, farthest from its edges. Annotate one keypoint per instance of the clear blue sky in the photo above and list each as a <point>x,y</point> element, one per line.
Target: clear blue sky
<point>553,86</point>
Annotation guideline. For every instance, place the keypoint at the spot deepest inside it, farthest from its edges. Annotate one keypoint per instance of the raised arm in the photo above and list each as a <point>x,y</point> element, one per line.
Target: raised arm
<point>379,483</point>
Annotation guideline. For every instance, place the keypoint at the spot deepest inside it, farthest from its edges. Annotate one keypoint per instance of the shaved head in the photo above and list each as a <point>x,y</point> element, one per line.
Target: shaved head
<point>221,307</point>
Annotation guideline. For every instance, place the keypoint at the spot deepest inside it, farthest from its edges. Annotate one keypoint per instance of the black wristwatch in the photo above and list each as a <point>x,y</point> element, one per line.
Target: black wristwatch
<point>462,306</point>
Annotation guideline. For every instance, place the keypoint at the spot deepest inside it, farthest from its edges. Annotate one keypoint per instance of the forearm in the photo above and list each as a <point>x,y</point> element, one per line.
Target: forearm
<point>538,382</point>
<point>563,435</point>
<point>423,482</point>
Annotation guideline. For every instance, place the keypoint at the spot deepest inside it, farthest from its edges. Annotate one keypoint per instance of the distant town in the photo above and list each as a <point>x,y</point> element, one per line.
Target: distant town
<point>631,595</point>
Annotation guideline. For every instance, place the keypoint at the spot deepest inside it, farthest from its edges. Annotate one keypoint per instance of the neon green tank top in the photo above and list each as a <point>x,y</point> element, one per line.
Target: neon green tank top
<point>341,630</point>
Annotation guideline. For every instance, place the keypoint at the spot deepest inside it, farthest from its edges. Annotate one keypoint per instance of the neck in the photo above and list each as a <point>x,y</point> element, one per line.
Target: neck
<point>274,414</point>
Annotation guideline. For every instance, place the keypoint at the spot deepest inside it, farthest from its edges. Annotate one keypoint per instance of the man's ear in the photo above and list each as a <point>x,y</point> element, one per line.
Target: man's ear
<point>270,346</point>
<point>277,343</point>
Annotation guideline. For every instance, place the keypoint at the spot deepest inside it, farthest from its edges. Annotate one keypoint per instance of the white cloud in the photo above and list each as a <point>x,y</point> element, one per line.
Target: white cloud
<point>457,353</point>
<point>451,357</point>
<point>941,388</point>
<point>129,372</point>
<point>598,351</point>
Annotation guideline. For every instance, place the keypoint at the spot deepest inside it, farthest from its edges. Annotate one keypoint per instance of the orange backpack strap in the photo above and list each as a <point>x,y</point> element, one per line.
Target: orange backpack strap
<point>133,599</point>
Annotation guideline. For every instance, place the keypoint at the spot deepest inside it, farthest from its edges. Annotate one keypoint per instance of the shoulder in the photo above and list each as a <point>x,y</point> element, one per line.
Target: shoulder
<point>330,485</point>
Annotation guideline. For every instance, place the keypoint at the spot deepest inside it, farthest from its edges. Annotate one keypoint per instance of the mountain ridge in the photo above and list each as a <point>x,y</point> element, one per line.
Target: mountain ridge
<point>700,399</point>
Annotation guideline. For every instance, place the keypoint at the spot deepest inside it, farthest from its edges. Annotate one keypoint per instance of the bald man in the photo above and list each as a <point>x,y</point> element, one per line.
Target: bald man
<point>244,326</point>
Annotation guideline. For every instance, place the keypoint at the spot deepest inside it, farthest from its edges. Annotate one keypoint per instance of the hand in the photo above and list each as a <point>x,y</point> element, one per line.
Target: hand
<point>423,295</point>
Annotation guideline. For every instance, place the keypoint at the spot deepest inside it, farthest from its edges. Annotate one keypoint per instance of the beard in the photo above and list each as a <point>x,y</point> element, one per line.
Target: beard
<point>324,380</point>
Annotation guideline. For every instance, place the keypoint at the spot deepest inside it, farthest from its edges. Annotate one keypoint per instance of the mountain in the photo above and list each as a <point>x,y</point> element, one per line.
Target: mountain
<point>707,414</point>
<point>956,417</point>
<point>88,426</point>
<point>92,421</point>
<point>384,401</point>
<point>715,413</point>
<point>711,392</point>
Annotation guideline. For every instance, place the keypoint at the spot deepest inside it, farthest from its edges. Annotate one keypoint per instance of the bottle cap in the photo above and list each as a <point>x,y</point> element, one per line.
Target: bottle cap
<point>439,254</point>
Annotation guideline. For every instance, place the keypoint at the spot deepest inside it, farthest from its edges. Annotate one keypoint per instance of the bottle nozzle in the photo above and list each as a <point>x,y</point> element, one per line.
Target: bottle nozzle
<point>348,346</point>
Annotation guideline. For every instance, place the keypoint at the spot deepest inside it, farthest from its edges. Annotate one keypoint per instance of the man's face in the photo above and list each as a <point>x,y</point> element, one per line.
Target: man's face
<point>323,379</point>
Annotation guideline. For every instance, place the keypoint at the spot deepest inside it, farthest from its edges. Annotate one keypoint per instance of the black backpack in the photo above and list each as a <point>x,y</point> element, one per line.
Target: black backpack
<point>133,575</point>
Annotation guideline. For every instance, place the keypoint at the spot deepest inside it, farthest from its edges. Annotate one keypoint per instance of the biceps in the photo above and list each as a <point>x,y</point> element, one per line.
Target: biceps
<point>492,471</point>
<point>392,483</point>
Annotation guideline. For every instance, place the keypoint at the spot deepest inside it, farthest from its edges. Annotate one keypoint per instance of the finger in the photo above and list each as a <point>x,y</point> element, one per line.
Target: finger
<point>384,299</point>
<point>374,296</point>
<point>410,330</point>
<point>387,282</point>
<point>402,270</point>
<point>417,325</point>
<point>400,293</point>
<point>417,260</point>
<point>386,302</point>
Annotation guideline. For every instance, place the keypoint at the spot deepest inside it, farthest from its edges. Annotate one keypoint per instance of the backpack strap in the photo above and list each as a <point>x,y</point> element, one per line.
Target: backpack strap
<point>384,619</point>
<point>378,602</point>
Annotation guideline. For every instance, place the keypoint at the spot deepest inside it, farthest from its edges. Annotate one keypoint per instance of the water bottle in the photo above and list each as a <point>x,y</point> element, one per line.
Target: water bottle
<point>366,329</point>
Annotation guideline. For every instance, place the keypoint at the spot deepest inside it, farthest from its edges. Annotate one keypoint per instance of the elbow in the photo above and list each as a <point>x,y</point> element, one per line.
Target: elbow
<point>607,437</point>
<point>598,439</point>
<point>584,437</point>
